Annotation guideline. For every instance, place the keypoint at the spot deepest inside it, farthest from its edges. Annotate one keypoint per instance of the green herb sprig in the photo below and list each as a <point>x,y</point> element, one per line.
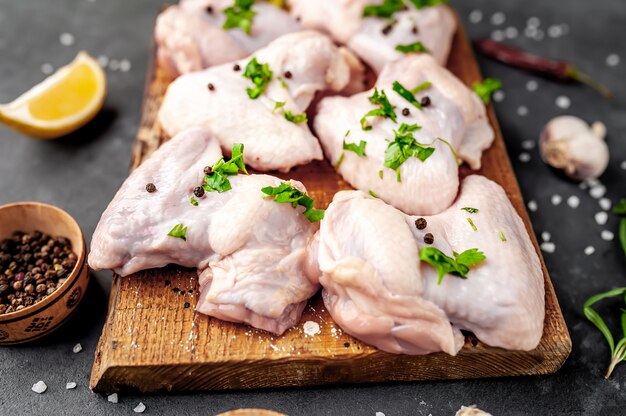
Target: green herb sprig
<point>179,231</point>
<point>618,351</point>
<point>240,15</point>
<point>406,94</point>
<point>620,209</point>
<point>485,89</point>
<point>458,266</point>
<point>420,4</point>
<point>217,180</point>
<point>405,146</point>
<point>260,75</point>
<point>295,118</point>
<point>359,149</point>
<point>386,9</point>
<point>470,210</point>
<point>412,47</point>
<point>286,193</point>
<point>385,109</point>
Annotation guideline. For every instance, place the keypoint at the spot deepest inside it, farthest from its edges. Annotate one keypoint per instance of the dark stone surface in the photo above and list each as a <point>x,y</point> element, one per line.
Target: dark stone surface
<point>81,173</point>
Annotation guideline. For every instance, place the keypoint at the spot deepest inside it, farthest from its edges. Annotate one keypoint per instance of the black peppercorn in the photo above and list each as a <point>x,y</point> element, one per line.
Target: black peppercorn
<point>209,10</point>
<point>208,170</point>
<point>211,87</point>
<point>425,101</point>
<point>420,223</point>
<point>151,187</point>
<point>406,112</point>
<point>429,238</point>
<point>198,191</point>
<point>288,74</point>
<point>414,30</point>
<point>236,67</point>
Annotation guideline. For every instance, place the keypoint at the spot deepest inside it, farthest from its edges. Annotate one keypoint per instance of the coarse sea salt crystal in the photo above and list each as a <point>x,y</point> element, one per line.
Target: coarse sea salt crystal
<point>530,32</point>
<point>533,22</point>
<point>498,96</point>
<point>114,64</point>
<point>589,250</point>
<point>39,387</point>
<point>475,16</point>
<point>548,247</point>
<point>103,60</point>
<point>563,102</point>
<point>623,165</point>
<point>573,201</point>
<point>140,408</point>
<point>605,203</point>
<point>545,236</point>
<point>311,328</point>
<point>47,69</point>
<point>597,191</point>
<point>607,235</point>
<point>77,348</point>
<point>125,65</point>
<point>498,18</point>
<point>524,157</point>
<point>380,414</point>
<point>555,31</point>
<point>511,32</point>
<point>556,199</point>
<point>532,206</point>
<point>70,385</point>
<point>528,144</point>
<point>612,59</point>
<point>112,398</point>
<point>532,85</point>
<point>522,110</point>
<point>538,35</point>
<point>497,35</point>
<point>601,217</point>
<point>66,39</point>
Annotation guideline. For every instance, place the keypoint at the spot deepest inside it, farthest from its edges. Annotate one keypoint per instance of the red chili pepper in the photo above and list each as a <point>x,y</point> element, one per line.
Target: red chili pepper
<point>518,58</point>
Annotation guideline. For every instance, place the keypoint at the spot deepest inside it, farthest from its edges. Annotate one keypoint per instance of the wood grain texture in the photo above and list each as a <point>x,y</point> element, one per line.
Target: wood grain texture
<point>152,342</point>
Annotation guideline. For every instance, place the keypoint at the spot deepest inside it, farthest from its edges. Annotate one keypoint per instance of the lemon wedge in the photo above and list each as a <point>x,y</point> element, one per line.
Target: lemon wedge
<point>61,103</point>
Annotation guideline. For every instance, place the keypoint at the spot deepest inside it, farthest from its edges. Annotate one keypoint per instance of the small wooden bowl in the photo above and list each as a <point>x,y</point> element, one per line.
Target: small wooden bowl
<point>43,317</point>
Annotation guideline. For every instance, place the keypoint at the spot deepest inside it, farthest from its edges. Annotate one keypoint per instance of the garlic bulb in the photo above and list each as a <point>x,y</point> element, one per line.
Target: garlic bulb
<point>570,144</point>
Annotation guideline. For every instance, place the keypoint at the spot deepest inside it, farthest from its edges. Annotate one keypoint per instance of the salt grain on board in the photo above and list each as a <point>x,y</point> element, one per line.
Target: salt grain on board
<point>47,69</point>
<point>125,65</point>
<point>140,408</point>
<point>563,102</point>
<point>114,64</point>
<point>532,206</point>
<point>612,59</point>
<point>497,35</point>
<point>77,348</point>
<point>524,157</point>
<point>533,22</point>
<point>528,144</point>
<point>607,235</point>
<point>556,199</point>
<point>522,111</point>
<point>548,247</point>
<point>498,18</point>
<point>498,96</point>
<point>103,60</point>
<point>66,39</point>
<point>589,250</point>
<point>112,398</point>
<point>545,236</point>
<point>573,201</point>
<point>530,32</point>
<point>311,328</point>
<point>538,35</point>
<point>605,203</point>
<point>623,165</point>
<point>555,31</point>
<point>532,85</point>
<point>511,32</point>
<point>380,414</point>
<point>601,217</point>
<point>597,191</point>
<point>39,387</point>
<point>475,16</point>
<point>70,386</point>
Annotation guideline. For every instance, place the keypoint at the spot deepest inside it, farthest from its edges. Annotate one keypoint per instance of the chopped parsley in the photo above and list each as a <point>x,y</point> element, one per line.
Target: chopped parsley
<point>353,147</point>
<point>386,110</point>
<point>380,174</point>
<point>193,201</point>
<point>421,87</point>
<point>239,15</point>
<point>406,94</point>
<point>405,146</point>
<point>278,105</point>
<point>420,4</point>
<point>412,47</point>
<point>458,266</point>
<point>471,223</point>
<point>286,193</point>
<point>340,161</point>
<point>485,89</point>
<point>217,180</point>
<point>470,210</point>
<point>179,231</point>
<point>372,193</point>
<point>386,9</point>
<point>260,75</point>
<point>295,118</point>
<point>502,237</point>
<point>620,208</point>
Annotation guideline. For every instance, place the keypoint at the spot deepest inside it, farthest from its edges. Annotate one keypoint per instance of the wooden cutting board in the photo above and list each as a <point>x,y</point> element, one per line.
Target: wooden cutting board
<point>153,340</point>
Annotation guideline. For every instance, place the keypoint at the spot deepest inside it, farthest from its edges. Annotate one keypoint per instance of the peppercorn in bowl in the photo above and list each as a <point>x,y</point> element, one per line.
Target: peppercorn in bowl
<point>43,272</point>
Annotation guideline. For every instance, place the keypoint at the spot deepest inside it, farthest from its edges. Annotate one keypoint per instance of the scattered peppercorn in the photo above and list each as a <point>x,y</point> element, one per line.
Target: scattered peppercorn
<point>186,305</point>
<point>32,267</point>
<point>288,74</point>
<point>387,29</point>
<point>236,67</point>
<point>414,30</point>
<point>151,187</point>
<point>406,112</point>
<point>208,170</point>
<point>198,191</point>
<point>211,87</point>
<point>425,101</point>
<point>429,238</point>
<point>209,10</point>
<point>421,223</point>
<point>346,344</point>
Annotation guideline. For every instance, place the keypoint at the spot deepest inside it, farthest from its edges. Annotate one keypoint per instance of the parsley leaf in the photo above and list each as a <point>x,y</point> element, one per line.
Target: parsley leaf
<point>502,237</point>
<point>406,94</point>
<point>486,88</point>
<point>260,75</point>
<point>278,105</point>
<point>386,110</point>
<point>412,47</point>
<point>340,161</point>
<point>386,9</point>
<point>420,4</point>
<point>421,87</point>
<point>193,201</point>
<point>470,210</point>
<point>239,15</point>
<point>405,146</point>
<point>179,231</point>
<point>372,193</point>
<point>286,193</point>
<point>295,118</point>
<point>458,266</point>
<point>471,223</point>
<point>620,208</point>
<point>353,147</point>
<point>217,180</point>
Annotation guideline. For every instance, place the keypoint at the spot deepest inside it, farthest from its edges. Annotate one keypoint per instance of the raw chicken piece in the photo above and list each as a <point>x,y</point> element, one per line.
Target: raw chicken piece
<point>375,39</point>
<point>455,115</point>
<point>189,38</point>
<point>272,142</point>
<point>373,281</point>
<point>251,252</point>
